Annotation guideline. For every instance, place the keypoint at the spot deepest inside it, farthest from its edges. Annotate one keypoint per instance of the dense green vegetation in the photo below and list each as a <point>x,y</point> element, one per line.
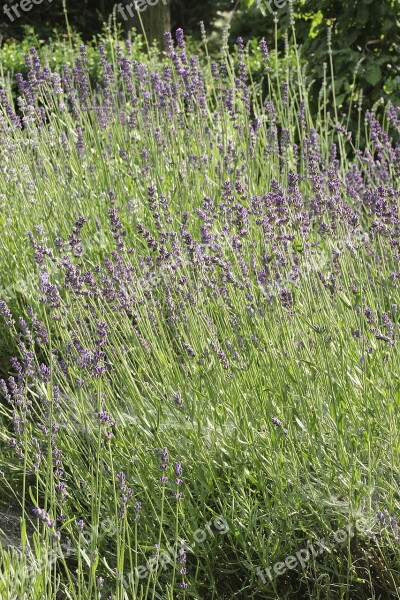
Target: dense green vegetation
<point>358,41</point>
<point>199,316</point>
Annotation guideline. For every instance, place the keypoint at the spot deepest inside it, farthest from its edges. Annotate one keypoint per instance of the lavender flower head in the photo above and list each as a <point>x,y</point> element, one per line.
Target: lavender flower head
<point>180,38</point>
<point>6,314</point>
<point>164,464</point>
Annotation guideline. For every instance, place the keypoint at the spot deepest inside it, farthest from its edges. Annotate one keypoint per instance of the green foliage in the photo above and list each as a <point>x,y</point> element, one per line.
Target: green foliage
<point>365,47</point>
<point>351,48</point>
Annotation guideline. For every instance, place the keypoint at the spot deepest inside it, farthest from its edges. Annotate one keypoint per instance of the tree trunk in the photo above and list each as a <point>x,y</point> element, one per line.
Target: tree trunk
<point>156,21</point>
<point>155,16</point>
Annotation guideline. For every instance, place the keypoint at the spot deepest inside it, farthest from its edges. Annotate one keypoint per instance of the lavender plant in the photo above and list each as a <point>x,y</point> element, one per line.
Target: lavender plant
<point>212,330</point>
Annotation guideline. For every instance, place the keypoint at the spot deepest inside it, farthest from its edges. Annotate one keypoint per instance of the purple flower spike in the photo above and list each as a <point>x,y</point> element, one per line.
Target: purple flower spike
<point>169,43</point>
<point>165,459</point>
<point>178,469</point>
<point>6,314</point>
<point>180,38</point>
<point>265,54</point>
<point>80,524</point>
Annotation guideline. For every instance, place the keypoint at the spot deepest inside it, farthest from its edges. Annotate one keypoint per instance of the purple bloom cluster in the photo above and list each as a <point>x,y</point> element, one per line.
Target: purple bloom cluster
<point>43,516</point>
<point>164,466</point>
<point>389,525</point>
<point>178,481</point>
<point>125,494</point>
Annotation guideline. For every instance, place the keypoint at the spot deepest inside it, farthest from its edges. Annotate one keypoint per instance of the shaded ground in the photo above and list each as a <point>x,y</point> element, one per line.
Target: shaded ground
<point>10,528</point>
